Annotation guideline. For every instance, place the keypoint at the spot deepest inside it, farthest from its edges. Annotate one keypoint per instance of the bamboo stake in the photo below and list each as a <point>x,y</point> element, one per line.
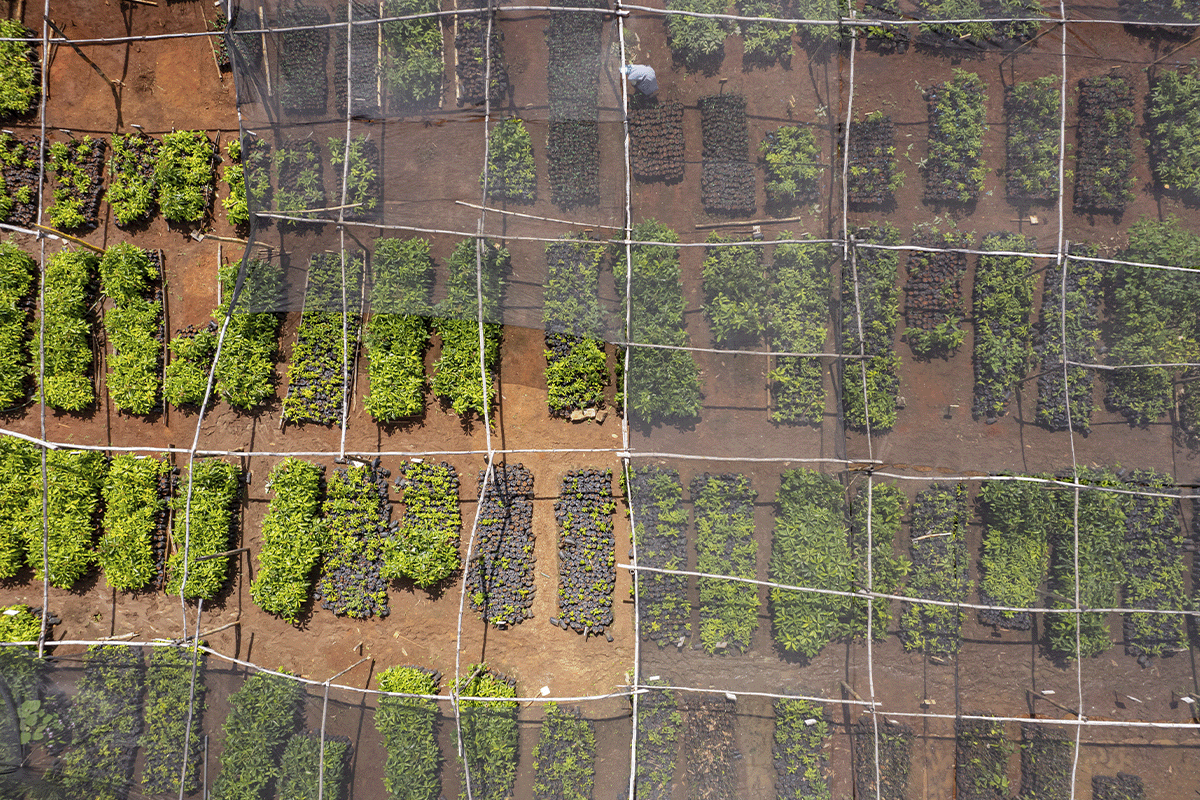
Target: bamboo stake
<point>227,553</point>
<point>736,223</point>
<point>220,261</point>
<point>69,238</point>
<point>262,23</point>
<point>379,62</point>
<point>162,282</point>
<point>142,2</point>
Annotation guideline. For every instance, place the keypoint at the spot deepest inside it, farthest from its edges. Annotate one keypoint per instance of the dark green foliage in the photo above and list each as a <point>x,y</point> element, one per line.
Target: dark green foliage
<point>1019,28</point>
<point>1079,330</point>
<point>263,715</point>
<point>457,376</point>
<point>135,506</point>
<point>586,550</point>
<point>16,287</point>
<point>734,292</point>
<point>797,322</point>
<point>1003,303</point>
<point>301,186</point>
<point>168,696</point>
<point>18,178</point>
<point>655,498</point>
<point>106,720</point>
<point>409,729</point>
<point>325,340</point>
<point>1122,787</point>
<point>184,171</point>
<point>658,732</point>
<point>130,276</point>
<point>20,480</point>
<point>724,510</point>
<point>1104,165</point>
<point>810,549</point>
<point>245,372</point>
<point>696,41</point>
<point>869,287</point>
<point>661,384</point>
<point>301,60</point>
<point>564,764</point>
<point>792,162</point>
<point>888,567</point>
<point>78,169</point>
<point>413,48</point>
<point>21,674</point>
<point>510,173</point>
<point>356,526</point>
<point>894,758</point>
<point>69,287</point>
<point>19,89</point>
<point>1174,118</point>
<point>1031,166</point>
<point>1017,518</point>
<point>186,377</point>
<point>300,772</point>
<point>133,189</point>
<point>362,189</point>
<point>933,306</point>
<point>873,178</point>
<point>726,174</point>
<point>1153,567</point>
<point>576,366</point>
<point>215,485</point>
<point>957,122</point>
<point>237,211</point>
<point>1101,544</point>
<point>500,576</point>
<point>981,760</point>
<point>1153,315</point>
<point>489,732</point>
<point>940,571</point>
<point>1047,763</point>
<point>291,539</point>
<point>398,330</point>
<point>801,764</point>
<point>425,549</point>
<point>573,72</point>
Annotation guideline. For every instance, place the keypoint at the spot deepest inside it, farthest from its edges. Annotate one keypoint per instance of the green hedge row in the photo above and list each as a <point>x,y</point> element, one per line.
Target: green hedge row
<point>134,326</point>
<point>888,568</point>
<point>263,715</point>
<point>870,311</point>
<point>798,311</point>
<point>215,486</point>
<point>69,288</point>
<point>489,732</point>
<point>409,729</point>
<point>398,330</point>
<point>655,498</point>
<point>940,571</point>
<point>17,271</point>
<point>564,763</point>
<point>168,695</point>
<point>425,549</point>
<point>291,539</point>
<point>725,545</point>
<point>135,507</point>
<point>576,365</point>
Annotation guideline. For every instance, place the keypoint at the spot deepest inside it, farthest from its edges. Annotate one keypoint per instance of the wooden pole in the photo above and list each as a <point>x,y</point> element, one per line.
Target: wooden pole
<point>262,23</point>
<point>223,555</point>
<point>69,238</point>
<point>745,222</point>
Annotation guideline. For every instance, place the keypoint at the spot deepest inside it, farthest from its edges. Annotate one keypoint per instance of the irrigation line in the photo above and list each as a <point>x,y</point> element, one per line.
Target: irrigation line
<point>827,21</point>
<point>1118,367</point>
<point>1027,254</point>
<point>906,598</point>
<point>1050,481</point>
<point>187,728</point>
<point>625,461</point>
<point>342,233</point>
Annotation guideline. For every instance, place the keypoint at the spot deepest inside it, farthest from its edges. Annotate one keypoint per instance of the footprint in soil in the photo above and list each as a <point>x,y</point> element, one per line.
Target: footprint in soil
<point>144,83</point>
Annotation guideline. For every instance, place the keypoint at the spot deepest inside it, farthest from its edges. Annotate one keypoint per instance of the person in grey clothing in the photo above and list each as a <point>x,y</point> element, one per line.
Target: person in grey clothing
<point>642,78</point>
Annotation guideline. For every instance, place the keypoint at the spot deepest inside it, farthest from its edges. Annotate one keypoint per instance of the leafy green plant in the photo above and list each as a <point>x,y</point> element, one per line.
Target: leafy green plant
<point>766,42</point>
<point>576,365</point>
<point>933,306</point>
<point>19,86</point>
<point>957,122</point>
<point>409,729</point>
<point>564,763</point>
<point>169,695</point>
<point>362,175</point>
<point>1174,116</point>
<point>1016,549</point>
<point>1153,568</point>
<point>488,729</point>
<point>77,167</point>
<point>16,287</point>
<point>301,187</point>
<point>245,372</point>
<point>263,715</point>
<point>1003,303</point>
<point>1069,325</point>
<point>134,325</point>
<point>1104,165</point>
<point>398,330</point>
<point>300,774</point>
<point>797,314</point>
<point>186,377</point>
<point>810,548</point>
<point>734,291</point>
<point>184,171</point>
<point>872,179</point>
<point>510,174</point>
<point>205,526</point>
<point>20,479</point>
<point>1032,142</point>
<point>356,526</point>
<point>661,383</point>
<point>19,624</point>
<point>696,41</point>
<point>291,539</point>
<point>658,733</point>
<point>725,545</point>
<point>425,549</point>
<point>940,571</point>
<point>69,281</point>
<point>1152,312</point>
<point>981,759</point>
<point>134,507</point>
<point>888,568</point>
<point>237,210</point>
<point>74,479</point>
<point>106,721</point>
<point>870,310</point>
<point>415,68</point>
<point>457,376</point>
<point>799,750</point>
<point>792,162</point>
<point>133,187</point>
